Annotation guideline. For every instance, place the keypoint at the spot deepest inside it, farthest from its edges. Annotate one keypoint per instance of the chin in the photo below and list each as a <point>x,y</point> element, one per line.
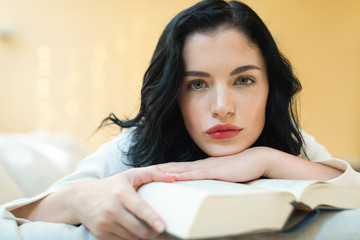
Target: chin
<point>223,152</point>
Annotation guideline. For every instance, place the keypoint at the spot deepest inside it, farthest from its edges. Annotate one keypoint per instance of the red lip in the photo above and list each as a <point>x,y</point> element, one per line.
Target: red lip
<point>223,131</point>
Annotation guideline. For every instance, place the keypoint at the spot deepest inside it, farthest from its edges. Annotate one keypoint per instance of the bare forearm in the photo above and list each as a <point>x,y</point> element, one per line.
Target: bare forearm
<point>285,166</point>
<point>56,207</point>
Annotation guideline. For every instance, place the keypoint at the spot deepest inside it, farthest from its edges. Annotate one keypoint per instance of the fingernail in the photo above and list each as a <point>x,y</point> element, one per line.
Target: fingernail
<point>159,226</point>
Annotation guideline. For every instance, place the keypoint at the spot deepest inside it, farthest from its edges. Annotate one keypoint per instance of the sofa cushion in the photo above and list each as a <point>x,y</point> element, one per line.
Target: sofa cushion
<point>34,161</point>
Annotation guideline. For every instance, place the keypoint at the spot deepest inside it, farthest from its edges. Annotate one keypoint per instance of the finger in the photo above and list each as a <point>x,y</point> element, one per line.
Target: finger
<point>112,222</point>
<point>114,233</point>
<point>120,231</point>
<point>137,226</point>
<point>156,174</point>
<point>212,174</point>
<point>165,166</point>
<point>126,223</point>
<point>140,176</point>
<point>180,167</point>
<point>137,206</point>
<point>112,236</point>
<point>197,174</point>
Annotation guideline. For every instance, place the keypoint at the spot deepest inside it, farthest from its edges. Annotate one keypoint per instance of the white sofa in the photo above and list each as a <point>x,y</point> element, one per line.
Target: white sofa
<point>29,163</point>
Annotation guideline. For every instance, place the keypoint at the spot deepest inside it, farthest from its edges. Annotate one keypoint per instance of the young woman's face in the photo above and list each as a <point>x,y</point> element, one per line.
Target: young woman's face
<point>223,98</point>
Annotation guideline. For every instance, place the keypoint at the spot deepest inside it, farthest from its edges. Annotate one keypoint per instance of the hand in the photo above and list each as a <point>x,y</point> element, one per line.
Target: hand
<point>245,166</point>
<point>251,164</point>
<point>111,208</point>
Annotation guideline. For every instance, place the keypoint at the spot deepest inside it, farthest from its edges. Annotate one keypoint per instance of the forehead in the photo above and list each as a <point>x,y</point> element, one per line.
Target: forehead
<point>214,32</point>
<point>227,46</point>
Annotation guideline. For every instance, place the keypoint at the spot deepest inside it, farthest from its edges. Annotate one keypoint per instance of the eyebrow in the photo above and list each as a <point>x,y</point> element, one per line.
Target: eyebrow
<point>197,74</point>
<point>244,69</point>
<point>235,71</point>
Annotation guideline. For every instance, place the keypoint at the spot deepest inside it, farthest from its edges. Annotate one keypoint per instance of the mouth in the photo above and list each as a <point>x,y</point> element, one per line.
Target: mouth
<point>223,131</point>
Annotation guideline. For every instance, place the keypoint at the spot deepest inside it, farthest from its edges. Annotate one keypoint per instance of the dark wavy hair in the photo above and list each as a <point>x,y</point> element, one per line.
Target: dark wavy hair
<point>160,135</point>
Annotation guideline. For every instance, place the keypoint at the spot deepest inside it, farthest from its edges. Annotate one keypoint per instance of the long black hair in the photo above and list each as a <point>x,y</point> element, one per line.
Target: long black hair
<point>160,135</point>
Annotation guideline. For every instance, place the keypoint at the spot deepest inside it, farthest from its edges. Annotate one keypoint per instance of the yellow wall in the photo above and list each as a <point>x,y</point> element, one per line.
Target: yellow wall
<point>322,38</point>
<point>68,63</point>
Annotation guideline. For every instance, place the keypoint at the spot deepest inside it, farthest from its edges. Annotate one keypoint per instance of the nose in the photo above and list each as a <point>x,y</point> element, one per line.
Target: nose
<point>223,104</point>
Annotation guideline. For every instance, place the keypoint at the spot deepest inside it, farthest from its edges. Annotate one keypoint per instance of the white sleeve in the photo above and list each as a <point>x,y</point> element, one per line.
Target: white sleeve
<point>314,150</point>
<point>318,153</point>
<point>106,161</point>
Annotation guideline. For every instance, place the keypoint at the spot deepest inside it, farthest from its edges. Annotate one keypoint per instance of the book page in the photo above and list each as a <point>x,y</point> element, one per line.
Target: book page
<point>211,187</point>
<point>296,187</point>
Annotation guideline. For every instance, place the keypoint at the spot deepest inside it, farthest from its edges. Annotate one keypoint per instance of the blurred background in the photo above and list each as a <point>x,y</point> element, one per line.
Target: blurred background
<point>66,64</point>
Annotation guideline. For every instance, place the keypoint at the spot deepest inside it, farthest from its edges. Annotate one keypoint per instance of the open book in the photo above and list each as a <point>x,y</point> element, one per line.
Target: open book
<point>210,208</point>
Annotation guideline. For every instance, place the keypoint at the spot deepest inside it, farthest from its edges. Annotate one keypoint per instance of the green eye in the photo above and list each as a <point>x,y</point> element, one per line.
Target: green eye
<point>244,81</point>
<point>197,84</point>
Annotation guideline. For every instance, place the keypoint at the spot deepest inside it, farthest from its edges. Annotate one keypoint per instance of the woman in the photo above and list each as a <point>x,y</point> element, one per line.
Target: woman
<point>217,89</point>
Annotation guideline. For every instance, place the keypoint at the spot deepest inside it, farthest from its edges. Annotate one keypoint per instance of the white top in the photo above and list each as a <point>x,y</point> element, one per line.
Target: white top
<point>108,160</point>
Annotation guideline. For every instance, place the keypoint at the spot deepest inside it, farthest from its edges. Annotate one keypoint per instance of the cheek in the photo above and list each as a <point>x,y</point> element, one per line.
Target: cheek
<point>190,111</point>
<point>254,109</point>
